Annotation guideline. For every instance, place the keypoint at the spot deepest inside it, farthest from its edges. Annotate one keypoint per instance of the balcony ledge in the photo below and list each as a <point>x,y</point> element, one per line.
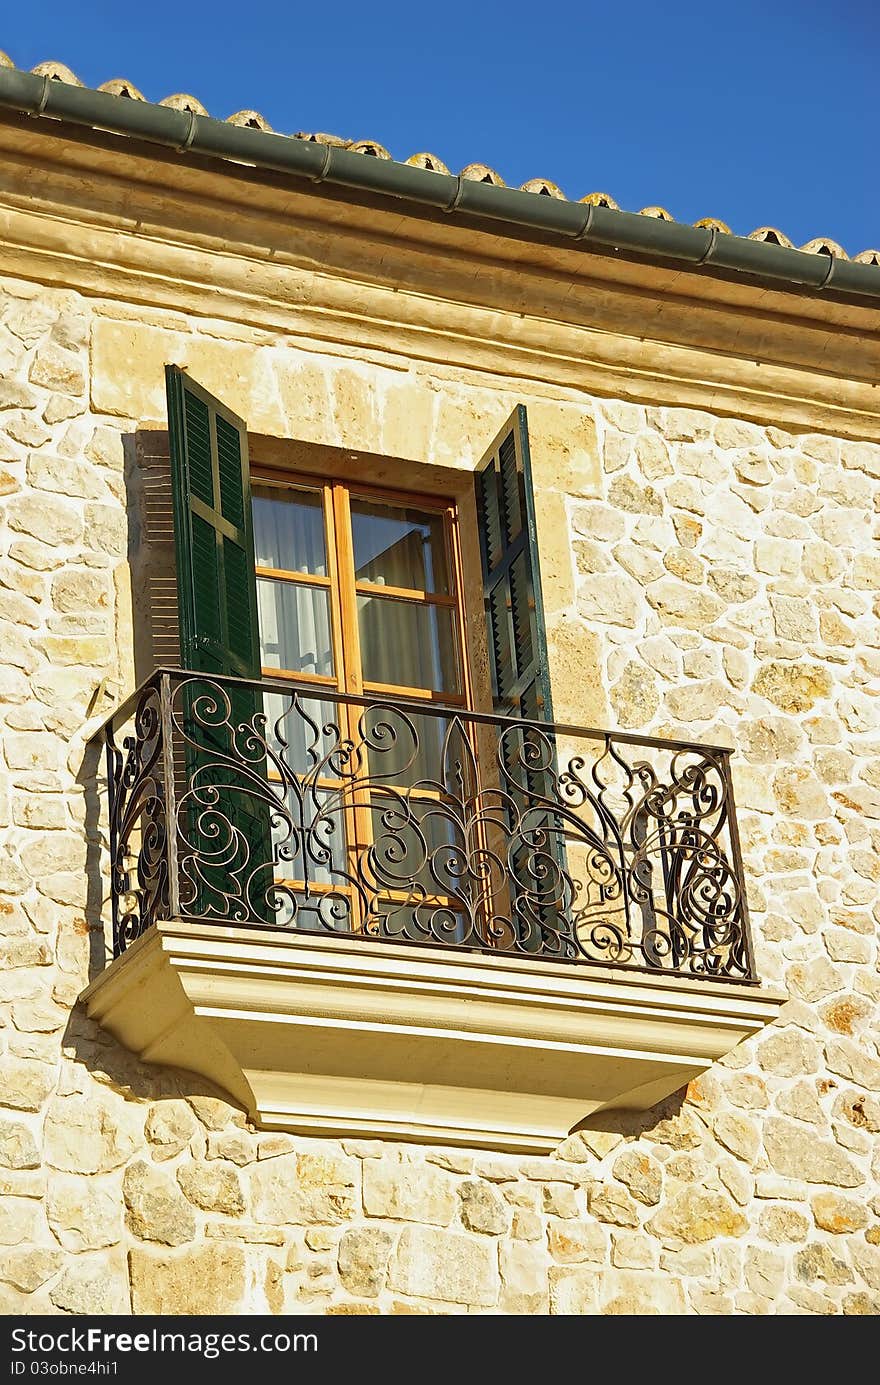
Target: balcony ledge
<point>338,1036</point>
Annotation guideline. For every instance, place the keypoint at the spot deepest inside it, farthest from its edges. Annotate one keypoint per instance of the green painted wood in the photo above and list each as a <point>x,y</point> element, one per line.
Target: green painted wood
<point>230,838</point>
<point>518,661</point>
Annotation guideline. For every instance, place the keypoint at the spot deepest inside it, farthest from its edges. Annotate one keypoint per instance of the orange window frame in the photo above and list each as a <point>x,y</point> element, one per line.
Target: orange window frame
<point>343,589</point>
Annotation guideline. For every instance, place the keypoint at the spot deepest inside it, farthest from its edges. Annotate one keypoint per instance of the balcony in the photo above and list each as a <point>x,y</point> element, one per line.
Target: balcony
<point>390,917</point>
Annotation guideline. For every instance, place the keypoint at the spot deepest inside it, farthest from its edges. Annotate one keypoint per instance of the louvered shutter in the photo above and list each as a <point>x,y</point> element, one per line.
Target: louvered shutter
<point>512,576</point>
<point>227,854</point>
<point>520,676</point>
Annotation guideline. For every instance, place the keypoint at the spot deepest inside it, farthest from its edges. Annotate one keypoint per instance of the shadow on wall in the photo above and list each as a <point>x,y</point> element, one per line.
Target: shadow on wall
<point>632,1124</point>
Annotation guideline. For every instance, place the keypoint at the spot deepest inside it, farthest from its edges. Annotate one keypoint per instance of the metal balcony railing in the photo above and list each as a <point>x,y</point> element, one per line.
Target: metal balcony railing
<point>288,806</point>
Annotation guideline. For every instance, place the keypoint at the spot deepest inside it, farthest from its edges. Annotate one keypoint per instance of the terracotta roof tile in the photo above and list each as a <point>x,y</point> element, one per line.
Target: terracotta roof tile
<point>479,172</point>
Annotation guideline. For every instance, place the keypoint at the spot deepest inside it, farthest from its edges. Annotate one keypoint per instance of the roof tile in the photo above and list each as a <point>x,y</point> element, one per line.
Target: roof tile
<point>479,172</point>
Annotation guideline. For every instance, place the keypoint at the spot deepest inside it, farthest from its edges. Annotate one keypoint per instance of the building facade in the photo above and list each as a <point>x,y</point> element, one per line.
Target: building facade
<point>347,987</point>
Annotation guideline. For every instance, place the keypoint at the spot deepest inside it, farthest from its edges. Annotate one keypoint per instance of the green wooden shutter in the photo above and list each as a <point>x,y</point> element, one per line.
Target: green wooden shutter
<point>229,863</point>
<point>512,576</point>
<point>519,671</point>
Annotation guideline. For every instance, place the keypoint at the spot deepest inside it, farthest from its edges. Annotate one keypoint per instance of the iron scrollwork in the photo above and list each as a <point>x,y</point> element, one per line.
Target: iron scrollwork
<point>300,808</point>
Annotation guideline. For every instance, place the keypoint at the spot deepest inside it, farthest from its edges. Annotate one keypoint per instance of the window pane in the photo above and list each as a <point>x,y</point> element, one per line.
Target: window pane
<point>294,627</point>
<point>289,530</point>
<point>399,547</point>
<point>407,644</point>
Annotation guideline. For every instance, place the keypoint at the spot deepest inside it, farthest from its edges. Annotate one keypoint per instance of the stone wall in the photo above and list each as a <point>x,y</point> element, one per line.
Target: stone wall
<point>720,580</point>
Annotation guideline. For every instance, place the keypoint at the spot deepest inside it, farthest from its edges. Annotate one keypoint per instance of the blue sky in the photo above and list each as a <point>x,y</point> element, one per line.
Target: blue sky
<point>761,112</point>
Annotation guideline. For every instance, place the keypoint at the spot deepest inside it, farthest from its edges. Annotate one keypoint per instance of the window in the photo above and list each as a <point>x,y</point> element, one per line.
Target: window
<point>358,592</point>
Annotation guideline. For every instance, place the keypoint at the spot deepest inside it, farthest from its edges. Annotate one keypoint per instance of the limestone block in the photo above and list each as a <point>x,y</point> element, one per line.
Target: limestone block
<point>408,420</point>
<point>409,1192</point>
<point>573,1243</point>
<point>611,600</point>
<point>677,603</point>
<point>608,1203</point>
<point>793,687</point>
<point>631,1250</point>
<point>169,1128</point>
<point>564,448</point>
<point>304,398</point>
<point>42,517</point>
<point>304,1189</point>
<point>213,1186</point>
<point>526,1226</point>
<point>65,476</point>
<point>801,1102</point>
<point>40,1016</point>
<point>738,1134</point>
<point>155,1209</point>
<point>90,1134</point>
<point>19,1218</point>
<point>634,696</point>
<point>482,1209</point>
<point>18,1149</point>
<point>524,1278</point>
<point>233,1145</point>
<point>783,1225</point>
<point>861,456</point>
<point>652,456</point>
<point>355,409</point>
<point>364,1254</point>
<point>697,701</point>
<point>799,794</point>
<point>24,1085</point>
<point>83,1215</point>
<point>629,418</point>
<point>820,1262</point>
<point>31,319</point>
<point>732,432</point>
<point>732,584</point>
<point>641,1174</point>
<point>859,1109</point>
<point>600,522</point>
<point>696,1215</point>
<point>28,1270</point>
<point>95,1286</point>
<point>560,1200</point>
<point>204,1280</point>
<point>627,495</point>
<point>616,451</point>
<point>837,1214</point>
<point>445,1265</point>
<point>812,1160</point>
<point>682,425</point>
<point>574,1290</point>
<point>216,1114</point>
<point>854,1062</point>
<point>641,564</point>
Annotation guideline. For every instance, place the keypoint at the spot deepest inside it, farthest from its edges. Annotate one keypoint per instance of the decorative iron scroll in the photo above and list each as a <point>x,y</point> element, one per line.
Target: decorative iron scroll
<point>139,868</point>
<point>299,808</point>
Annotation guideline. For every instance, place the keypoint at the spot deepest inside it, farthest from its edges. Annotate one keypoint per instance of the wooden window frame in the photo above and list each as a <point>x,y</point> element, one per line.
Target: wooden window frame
<point>341,582</point>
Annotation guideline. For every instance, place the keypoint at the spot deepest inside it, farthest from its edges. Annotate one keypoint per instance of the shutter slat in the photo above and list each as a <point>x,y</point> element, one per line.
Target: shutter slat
<point>512,575</point>
<point>219,634</point>
<point>520,677</point>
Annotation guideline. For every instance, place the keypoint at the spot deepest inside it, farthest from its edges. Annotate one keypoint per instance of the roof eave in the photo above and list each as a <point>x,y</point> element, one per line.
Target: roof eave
<point>510,210</point>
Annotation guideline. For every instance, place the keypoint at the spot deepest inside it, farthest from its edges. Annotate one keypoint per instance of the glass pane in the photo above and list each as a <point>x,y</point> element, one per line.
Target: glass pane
<point>289,530</point>
<point>399,547</point>
<point>294,627</point>
<point>407,644</point>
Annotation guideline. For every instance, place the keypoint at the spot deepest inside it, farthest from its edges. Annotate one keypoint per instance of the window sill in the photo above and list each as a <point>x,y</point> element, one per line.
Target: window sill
<point>330,1035</point>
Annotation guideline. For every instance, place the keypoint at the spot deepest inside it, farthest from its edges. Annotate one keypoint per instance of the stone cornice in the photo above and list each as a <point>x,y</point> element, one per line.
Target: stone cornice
<point>130,224</point>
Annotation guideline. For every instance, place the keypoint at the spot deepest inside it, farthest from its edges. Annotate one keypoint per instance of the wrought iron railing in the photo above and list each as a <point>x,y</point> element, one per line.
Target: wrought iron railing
<point>288,806</point>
